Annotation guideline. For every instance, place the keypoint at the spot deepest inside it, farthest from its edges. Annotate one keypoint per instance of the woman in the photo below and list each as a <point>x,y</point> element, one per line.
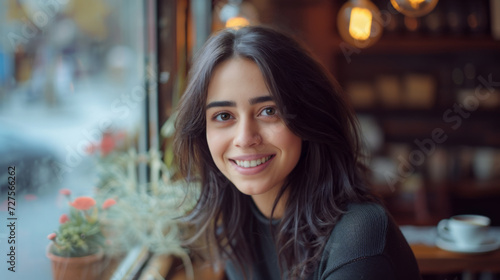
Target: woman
<point>275,146</point>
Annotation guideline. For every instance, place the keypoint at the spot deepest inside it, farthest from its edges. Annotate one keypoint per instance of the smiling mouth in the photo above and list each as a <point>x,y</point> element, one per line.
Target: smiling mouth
<point>252,163</point>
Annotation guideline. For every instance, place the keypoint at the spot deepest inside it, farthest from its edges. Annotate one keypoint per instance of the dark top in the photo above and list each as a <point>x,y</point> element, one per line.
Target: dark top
<point>365,244</point>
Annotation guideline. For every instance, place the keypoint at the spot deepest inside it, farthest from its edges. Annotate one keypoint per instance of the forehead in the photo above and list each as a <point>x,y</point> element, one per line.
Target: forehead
<point>236,77</point>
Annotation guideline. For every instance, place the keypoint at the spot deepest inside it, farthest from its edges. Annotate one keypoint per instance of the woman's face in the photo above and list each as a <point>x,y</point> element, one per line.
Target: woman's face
<point>248,141</point>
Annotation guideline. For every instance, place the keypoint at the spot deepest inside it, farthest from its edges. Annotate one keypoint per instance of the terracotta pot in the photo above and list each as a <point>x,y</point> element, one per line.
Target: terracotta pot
<point>76,268</point>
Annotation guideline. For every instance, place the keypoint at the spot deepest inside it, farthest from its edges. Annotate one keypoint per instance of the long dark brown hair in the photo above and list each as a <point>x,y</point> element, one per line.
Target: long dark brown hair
<point>328,175</point>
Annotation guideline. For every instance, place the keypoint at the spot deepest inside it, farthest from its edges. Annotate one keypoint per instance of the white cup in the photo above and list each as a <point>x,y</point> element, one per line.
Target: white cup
<point>465,230</point>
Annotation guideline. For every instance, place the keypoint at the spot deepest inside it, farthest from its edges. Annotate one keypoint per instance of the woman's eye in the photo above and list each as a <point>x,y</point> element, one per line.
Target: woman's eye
<point>270,111</point>
<point>223,117</point>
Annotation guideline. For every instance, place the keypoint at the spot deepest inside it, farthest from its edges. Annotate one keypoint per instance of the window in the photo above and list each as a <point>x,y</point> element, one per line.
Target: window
<point>70,71</point>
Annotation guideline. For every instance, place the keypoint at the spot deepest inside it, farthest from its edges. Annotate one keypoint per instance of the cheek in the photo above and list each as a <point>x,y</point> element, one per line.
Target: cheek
<point>289,144</point>
<point>215,141</point>
<point>294,146</point>
<point>282,136</point>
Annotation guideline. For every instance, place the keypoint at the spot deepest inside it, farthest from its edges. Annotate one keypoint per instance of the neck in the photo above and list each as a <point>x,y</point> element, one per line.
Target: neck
<point>265,202</point>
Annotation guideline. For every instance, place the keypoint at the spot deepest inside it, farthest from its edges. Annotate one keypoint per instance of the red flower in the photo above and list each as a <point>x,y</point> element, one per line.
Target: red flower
<point>83,203</point>
<point>65,192</point>
<point>51,236</point>
<point>63,219</point>
<point>108,203</point>
<point>107,144</point>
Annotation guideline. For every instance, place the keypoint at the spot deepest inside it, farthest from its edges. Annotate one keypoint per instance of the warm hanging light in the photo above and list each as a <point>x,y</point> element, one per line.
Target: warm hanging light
<point>414,8</point>
<point>236,14</point>
<point>237,22</point>
<point>416,3</point>
<point>359,23</point>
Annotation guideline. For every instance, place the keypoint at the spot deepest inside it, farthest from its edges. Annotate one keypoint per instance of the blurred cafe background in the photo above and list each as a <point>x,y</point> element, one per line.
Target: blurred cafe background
<point>80,79</point>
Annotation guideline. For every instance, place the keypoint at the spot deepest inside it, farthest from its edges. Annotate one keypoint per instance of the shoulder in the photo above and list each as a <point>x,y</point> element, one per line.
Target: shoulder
<point>363,227</point>
<point>363,214</point>
<point>360,233</point>
<point>363,220</point>
<point>366,243</point>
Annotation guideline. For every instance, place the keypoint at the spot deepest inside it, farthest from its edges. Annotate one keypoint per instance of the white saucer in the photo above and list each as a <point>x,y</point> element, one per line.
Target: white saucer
<point>489,245</point>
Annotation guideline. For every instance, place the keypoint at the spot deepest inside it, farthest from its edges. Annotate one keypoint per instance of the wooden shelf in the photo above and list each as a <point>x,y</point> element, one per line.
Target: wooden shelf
<point>454,63</point>
<point>393,44</point>
<point>426,113</point>
<point>477,189</point>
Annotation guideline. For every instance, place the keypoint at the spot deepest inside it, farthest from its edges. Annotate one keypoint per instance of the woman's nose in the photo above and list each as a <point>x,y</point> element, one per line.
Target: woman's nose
<point>247,134</point>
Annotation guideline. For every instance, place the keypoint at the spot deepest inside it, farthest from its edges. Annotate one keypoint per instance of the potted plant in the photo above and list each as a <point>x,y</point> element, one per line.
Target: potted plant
<point>150,209</point>
<point>148,213</point>
<point>76,247</point>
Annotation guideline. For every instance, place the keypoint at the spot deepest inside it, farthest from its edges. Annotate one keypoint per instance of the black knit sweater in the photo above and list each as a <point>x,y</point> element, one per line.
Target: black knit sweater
<point>365,244</point>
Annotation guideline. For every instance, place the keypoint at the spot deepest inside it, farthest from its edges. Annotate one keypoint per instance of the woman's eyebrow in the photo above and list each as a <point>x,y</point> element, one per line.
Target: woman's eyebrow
<point>252,101</point>
<point>260,99</point>
<point>220,104</point>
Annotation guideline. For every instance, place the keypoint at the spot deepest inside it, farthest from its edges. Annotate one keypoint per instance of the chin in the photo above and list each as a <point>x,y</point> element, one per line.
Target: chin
<point>251,189</point>
<point>248,191</point>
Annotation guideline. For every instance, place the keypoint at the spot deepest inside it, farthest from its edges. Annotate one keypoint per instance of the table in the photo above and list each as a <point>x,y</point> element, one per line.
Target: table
<point>201,272</point>
<point>433,260</point>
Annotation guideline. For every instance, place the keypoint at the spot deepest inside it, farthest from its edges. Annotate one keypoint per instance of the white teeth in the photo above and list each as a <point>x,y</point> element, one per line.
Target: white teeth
<point>252,163</point>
